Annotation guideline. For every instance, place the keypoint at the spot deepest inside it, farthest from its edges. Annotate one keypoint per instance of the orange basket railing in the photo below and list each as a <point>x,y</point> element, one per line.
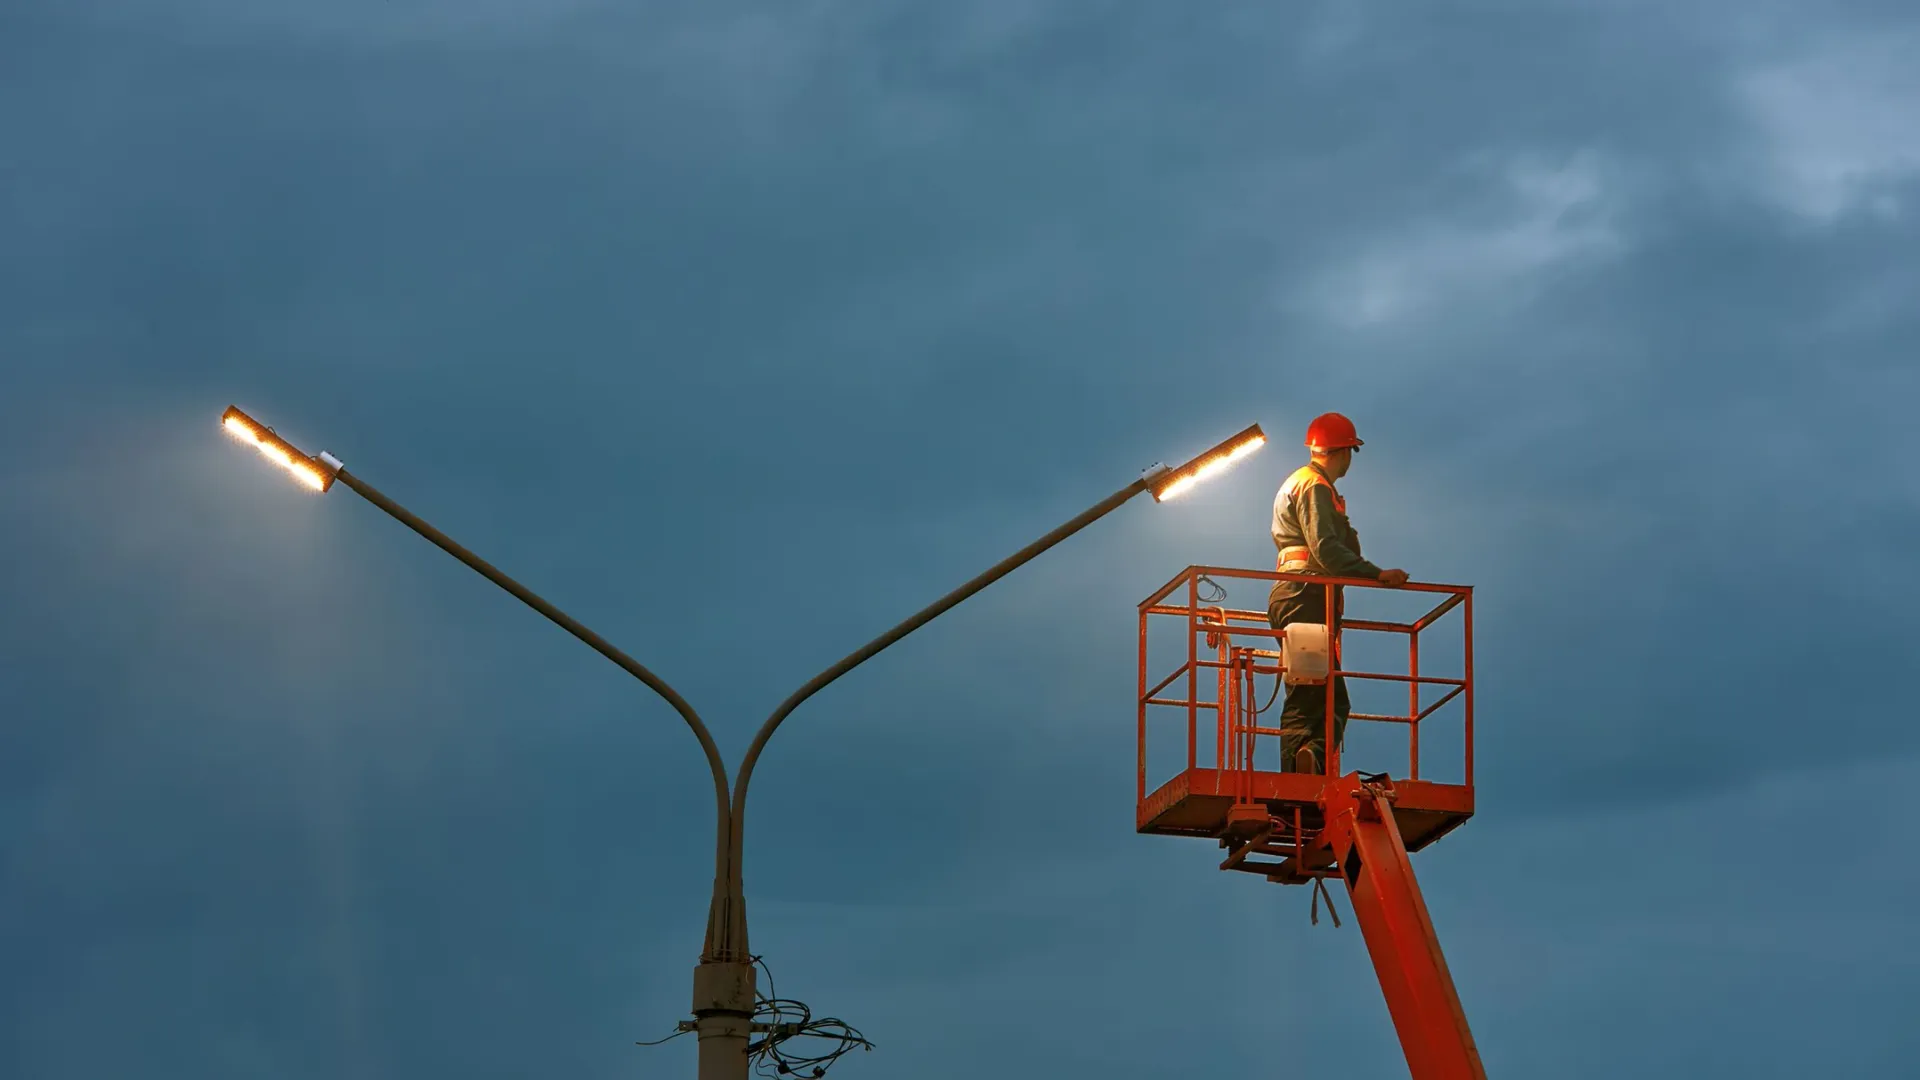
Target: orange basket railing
<point>1233,646</point>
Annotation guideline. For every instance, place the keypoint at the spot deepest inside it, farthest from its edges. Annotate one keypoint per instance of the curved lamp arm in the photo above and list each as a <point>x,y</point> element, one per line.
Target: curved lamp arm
<point>735,943</point>
<point>570,625</point>
<point>727,923</point>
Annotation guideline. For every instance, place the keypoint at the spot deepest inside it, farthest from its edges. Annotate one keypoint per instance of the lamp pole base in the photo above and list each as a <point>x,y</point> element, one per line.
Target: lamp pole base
<point>723,1004</point>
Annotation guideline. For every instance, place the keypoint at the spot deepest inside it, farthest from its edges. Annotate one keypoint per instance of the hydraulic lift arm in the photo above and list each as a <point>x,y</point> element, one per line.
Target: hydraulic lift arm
<point>1364,843</point>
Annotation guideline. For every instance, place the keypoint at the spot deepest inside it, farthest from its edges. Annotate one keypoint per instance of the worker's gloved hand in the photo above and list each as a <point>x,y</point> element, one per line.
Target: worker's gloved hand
<point>1393,578</point>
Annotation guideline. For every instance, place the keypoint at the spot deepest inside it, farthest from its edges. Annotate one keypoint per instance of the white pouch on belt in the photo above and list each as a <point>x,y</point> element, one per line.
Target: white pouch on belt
<point>1305,653</point>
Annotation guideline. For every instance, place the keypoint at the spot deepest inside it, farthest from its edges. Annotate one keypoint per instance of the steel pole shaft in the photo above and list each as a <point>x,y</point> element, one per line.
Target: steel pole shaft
<point>723,1007</point>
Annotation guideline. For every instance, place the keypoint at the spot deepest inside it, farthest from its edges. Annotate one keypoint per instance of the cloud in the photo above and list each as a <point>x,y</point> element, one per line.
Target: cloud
<point>1549,216</point>
<point>1838,132</point>
<point>743,330</point>
<point>401,22</point>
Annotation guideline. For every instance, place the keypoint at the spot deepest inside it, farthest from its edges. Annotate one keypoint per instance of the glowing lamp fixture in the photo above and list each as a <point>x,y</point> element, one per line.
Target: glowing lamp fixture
<point>1168,483</point>
<point>316,473</point>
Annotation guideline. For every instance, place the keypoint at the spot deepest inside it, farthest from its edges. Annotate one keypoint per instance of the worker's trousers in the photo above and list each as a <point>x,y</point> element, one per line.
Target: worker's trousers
<point>1303,717</point>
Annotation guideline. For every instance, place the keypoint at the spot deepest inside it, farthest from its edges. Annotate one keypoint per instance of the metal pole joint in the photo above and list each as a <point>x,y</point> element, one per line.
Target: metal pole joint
<point>723,1006</point>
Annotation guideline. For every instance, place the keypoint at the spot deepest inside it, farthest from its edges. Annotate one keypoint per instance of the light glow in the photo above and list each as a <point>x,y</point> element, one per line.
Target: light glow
<point>276,449</point>
<point>1215,461</point>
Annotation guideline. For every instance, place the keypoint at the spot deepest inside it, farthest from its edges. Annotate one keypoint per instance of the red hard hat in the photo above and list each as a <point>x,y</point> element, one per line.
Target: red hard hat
<point>1331,431</point>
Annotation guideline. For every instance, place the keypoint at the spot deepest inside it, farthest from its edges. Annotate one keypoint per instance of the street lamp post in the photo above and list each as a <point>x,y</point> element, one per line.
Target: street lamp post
<point>723,982</point>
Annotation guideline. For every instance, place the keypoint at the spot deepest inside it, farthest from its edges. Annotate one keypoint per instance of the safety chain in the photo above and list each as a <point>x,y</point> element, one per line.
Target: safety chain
<point>1320,890</point>
<point>1378,786</point>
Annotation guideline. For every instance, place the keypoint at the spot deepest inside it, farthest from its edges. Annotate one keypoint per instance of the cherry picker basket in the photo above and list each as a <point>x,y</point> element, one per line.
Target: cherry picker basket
<point>1229,652</point>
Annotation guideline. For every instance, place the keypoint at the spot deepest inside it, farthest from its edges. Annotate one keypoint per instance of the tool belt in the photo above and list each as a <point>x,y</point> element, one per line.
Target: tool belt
<point>1297,559</point>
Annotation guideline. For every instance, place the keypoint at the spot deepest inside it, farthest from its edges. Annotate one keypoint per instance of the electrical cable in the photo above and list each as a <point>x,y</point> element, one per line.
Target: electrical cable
<point>1271,698</point>
<point>668,1039</point>
<point>1215,593</point>
<point>782,1020</point>
<point>787,1019</point>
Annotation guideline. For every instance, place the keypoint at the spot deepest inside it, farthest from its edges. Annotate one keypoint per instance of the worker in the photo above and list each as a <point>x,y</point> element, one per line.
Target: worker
<point>1313,535</point>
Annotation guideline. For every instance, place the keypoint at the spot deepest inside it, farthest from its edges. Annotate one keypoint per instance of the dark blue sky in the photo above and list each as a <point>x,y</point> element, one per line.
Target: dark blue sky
<point>742,330</point>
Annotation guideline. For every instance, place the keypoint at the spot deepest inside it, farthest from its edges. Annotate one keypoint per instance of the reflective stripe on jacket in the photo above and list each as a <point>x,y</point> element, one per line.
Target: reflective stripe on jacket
<point>1311,531</point>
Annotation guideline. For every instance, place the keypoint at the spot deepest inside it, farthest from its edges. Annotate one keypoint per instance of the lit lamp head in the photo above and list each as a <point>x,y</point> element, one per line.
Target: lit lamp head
<point>1168,483</point>
<point>315,472</point>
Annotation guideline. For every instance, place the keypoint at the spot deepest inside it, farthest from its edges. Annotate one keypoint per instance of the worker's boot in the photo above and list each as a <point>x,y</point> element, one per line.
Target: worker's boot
<point>1306,761</point>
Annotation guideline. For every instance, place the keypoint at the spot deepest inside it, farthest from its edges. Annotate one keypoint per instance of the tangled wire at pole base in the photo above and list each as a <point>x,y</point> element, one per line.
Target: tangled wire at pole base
<point>784,1020</point>
<point>777,1021</point>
